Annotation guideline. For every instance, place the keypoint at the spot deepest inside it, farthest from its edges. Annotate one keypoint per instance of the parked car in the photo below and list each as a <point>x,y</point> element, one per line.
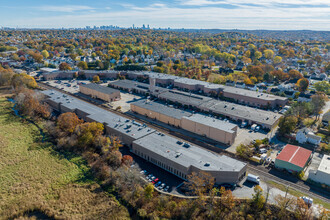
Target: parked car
<point>263,150</point>
<point>143,172</point>
<point>152,179</point>
<point>253,178</point>
<point>158,183</point>
<point>257,128</point>
<point>244,124</point>
<point>149,176</point>
<point>253,127</point>
<point>155,180</point>
<point>272,164</point>
<point>161,186</point>
<point>307,200</point>
<point>228,186</point>
<point>268,160</point>
<point>166,188</point>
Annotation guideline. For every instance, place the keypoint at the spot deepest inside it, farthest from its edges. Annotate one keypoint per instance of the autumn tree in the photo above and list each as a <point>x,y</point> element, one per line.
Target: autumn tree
<point>303,84</point>
<point>199,183</point>
<point>269,54</point>
<point>82,65</point>
<point>45,54</point>
<point>149,191</point>
<point>19,80</point>
<point>64,66</point>
<point>322,86</point>
<point>68,121</point>
<point>88,133</point>
<point>302,211</point>
<point>127,160</point>
<point>96,78</point>
<point>295,74</point>
<point>277,59</point>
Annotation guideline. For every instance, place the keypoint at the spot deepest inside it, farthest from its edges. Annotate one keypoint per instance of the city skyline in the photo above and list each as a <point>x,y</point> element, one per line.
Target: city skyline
<point>176,14</point>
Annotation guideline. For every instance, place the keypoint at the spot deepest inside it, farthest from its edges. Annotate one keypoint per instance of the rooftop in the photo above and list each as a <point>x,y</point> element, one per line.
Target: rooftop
<point>184,98</point>
<point>325,164</point>
<point>295,155</point>
<point>168,147</point>
<point>99,88</point>
<point>250,93</point>
<point>100,115</point>
<point>259,116</point>
<point>129,84</point>
<point>212,122</point>
<point>161,108</point>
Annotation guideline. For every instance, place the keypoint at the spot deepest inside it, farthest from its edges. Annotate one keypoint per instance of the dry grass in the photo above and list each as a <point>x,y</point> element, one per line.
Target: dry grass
<point>36,181</point>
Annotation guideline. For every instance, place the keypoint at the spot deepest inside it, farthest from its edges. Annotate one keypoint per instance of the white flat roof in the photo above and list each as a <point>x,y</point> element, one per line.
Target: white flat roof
<point>325,164</point>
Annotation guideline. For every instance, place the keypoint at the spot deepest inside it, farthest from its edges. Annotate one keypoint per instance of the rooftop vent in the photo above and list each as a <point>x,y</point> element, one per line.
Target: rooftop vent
<point>207,164</point>
<point>186,145</point>
<point>177,154</point>
<point>179,142</point>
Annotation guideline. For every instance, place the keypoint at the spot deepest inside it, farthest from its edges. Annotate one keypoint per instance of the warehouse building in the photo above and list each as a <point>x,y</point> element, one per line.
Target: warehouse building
<point>215,129</point>
<point>159,112</point>
<point>322,174</point>
<point>223,132</point>
<point>293,158</point>
<point>131,86</point>
<point>266,119</point>
<point>126,130</point>
<point>181,159</point>
<point>101,92</point>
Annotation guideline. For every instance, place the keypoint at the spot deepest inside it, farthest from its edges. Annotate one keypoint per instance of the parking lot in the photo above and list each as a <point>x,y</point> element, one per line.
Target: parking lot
<point>165,177</point>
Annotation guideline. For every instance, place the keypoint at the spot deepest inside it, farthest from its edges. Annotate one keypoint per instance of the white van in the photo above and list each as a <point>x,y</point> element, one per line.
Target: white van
<point>253,178</point>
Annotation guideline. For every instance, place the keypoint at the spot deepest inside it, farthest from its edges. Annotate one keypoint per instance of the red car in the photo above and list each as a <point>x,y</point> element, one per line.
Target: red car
<point>155,181</point>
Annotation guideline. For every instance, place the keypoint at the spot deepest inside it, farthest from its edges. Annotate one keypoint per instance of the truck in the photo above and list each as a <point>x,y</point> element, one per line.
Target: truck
<point>253,178</point>
<point>307,200</point>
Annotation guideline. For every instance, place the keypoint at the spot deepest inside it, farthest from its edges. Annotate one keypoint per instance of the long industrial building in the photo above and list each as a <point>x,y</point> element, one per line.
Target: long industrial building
<point>182,159</point>
<point>101,92</point>
<point>212,128</point>
<point>187,100</point>
<point>243,96</point>
<point>160,149</point>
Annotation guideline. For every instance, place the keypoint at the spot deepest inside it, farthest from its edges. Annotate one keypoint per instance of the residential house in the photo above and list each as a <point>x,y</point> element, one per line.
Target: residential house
<point>305,135</point>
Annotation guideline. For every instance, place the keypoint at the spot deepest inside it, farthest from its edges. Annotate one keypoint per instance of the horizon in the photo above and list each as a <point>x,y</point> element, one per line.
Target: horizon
<point>277,15</point>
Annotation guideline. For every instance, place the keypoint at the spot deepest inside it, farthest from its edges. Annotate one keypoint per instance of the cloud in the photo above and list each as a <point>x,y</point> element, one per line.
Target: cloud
<point>64,8</point>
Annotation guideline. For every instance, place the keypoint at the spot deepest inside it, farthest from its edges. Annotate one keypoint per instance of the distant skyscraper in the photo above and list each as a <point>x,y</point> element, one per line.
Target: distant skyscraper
<point>143,26</point>
<point>133,26</point>
<point>148,26</point>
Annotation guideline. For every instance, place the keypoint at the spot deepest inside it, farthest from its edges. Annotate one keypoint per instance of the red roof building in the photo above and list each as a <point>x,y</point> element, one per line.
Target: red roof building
<point>293,158</point>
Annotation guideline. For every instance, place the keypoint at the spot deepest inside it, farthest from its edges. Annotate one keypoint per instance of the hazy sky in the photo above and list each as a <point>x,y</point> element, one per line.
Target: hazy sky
<point>222,14</point>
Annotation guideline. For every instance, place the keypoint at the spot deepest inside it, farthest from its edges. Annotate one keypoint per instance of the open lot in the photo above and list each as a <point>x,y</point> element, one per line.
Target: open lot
<point>37,182</point>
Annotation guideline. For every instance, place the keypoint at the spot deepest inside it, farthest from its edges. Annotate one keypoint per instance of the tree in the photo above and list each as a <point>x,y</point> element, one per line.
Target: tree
<point>96,78</point>
<point>284,203</point>
<point>258,200</point>
<point>318,102</point>
<point>295,74</point>
<point>45,54</point>
<point>255,71</point>
<point>323,86</point>
<point>68,121</point>
<point>277,59</point>
<point>302,211</point>
<point>64,66</point>
<point>287,124</point>
<point>149,190</point>
<point>25,80</point>
<point>127,160</point>
<point>257,55</point>
<point>199,183</point>
<point>303,84</point>
<point>88,133</point>
<point>244,151</point>
<point>269,54</point>
<point>82,65</point>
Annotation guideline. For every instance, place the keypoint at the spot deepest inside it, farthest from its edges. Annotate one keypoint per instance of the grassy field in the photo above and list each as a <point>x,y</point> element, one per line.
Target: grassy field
<point>35,181</point>
<point>298,194</point>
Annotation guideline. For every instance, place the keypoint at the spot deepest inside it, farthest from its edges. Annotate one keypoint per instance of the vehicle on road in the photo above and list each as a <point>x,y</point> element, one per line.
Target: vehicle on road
<point>253,178</point>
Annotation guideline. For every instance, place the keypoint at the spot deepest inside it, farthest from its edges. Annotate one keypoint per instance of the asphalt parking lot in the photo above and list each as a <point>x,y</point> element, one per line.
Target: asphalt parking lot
<point>163,176</point>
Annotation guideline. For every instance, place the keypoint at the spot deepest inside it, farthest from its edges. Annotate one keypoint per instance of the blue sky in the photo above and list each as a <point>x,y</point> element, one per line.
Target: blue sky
<point>222,14</point>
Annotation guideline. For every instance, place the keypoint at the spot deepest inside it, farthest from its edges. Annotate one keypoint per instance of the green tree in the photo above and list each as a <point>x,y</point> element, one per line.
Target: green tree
<point>318,102</point>
<point>96,78</point>
<point>244,151</point>
<point>323,86</point>
<point>287,124</point>
<point>269,54</point>
<point>258,200</point>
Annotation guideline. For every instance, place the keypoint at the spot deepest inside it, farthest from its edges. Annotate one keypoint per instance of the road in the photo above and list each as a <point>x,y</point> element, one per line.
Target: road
<point>293,183</point>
